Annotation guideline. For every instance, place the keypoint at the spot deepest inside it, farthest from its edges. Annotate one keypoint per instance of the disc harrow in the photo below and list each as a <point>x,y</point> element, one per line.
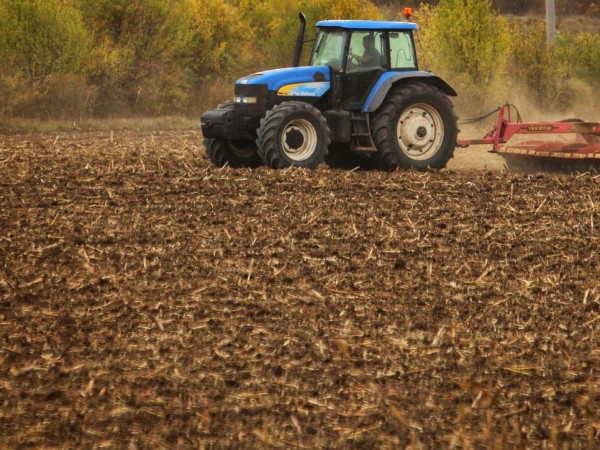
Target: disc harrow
<point>570,145</point>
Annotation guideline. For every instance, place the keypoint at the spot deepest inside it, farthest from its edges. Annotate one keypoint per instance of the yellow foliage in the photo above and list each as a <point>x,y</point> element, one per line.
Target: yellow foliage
<point>467,43</point>
<point>160,56</point>
<point>223,39</point>
<point>275,23</point>
<point>583,52</point>
<point>40,38</point>
<point>537,67</point>
<point>464,37</point>
<point>354,9</point>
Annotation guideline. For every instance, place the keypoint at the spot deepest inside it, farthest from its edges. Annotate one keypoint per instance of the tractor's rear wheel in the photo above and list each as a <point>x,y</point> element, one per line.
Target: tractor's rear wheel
<point>415,128</point>
<point>234,153</point>
<point>293,134</point>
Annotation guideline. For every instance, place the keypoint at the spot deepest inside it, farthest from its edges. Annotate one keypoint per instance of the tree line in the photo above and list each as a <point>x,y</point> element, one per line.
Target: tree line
<point>98,58</point>
<point>517,7</point>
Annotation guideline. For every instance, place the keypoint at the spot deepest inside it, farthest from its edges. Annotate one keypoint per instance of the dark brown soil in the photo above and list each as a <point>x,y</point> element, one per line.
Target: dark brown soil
<point>150,300</point>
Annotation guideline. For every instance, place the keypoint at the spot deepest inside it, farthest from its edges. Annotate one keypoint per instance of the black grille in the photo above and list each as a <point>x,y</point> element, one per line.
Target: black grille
<point>251,90</point>
<point>258,109</point>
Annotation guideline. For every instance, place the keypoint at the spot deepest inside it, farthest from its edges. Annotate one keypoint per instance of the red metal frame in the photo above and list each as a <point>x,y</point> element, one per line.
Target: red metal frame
<point>586,145</point>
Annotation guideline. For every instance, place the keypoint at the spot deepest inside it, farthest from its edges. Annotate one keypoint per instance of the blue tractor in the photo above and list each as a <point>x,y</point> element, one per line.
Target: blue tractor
<point>361,98</point>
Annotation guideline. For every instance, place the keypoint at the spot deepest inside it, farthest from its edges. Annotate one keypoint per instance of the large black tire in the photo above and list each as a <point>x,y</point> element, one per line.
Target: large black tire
<point>235,153</point>
<point>340,156</point>
<point>414,128</point>
<point>293,134</point>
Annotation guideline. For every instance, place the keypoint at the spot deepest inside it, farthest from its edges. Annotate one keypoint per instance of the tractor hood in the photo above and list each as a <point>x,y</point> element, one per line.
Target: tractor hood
<point>305,81</point>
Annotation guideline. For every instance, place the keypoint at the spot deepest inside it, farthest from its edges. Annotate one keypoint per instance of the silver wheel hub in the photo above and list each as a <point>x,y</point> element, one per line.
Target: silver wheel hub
<point>420,131</point>
<point>299,139</point>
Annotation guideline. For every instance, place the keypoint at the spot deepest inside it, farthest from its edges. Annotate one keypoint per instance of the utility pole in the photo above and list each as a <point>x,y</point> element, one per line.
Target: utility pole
<point>550,21</point>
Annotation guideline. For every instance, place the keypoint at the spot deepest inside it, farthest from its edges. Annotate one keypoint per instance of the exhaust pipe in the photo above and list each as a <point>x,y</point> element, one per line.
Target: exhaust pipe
<point>299,41</point>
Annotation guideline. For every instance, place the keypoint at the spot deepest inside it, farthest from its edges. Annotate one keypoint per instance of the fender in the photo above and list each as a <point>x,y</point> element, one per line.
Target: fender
<point>387,80</point>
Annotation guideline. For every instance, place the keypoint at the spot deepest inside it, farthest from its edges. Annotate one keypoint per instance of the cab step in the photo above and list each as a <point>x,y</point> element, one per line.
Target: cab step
<point>361,139</point>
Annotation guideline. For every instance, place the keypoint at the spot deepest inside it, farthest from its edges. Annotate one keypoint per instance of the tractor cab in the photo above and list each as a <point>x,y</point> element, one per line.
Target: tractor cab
<point>341,45</point>
<point>359,52</point>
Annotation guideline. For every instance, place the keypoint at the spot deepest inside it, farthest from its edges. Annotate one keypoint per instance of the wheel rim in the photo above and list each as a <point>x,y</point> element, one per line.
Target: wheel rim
<point>299,139</point>
<point>420,131</point>
<point>243,149</point>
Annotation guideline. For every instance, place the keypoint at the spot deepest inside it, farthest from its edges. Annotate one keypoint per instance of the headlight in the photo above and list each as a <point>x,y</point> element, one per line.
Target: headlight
<point>242,99</point>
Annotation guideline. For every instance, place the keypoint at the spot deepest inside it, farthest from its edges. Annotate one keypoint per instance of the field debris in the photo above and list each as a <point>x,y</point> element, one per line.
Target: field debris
<point>150,300</point>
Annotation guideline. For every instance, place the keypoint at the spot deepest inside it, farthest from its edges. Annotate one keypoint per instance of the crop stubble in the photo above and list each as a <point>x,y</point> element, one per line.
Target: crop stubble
<point>148,299</point>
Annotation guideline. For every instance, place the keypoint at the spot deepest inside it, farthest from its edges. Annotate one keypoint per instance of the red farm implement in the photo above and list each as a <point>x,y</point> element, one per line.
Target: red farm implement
<point>568,145</point>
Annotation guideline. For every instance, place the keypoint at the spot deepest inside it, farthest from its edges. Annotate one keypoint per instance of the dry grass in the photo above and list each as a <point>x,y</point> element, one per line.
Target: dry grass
<point>8,125</point>
<point>149,300</point>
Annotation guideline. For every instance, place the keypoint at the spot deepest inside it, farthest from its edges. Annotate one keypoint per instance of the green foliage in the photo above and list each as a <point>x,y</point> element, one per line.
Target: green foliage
<point>7,93</point>
<point>223,47</point>
<point>43,37</point>
<point>348,9</point>
<point>140,54</point>
<point>223,39</point>
<point>71,58</point>
<point>537,68</point>
<point>271,28</point>
<point>44,44</point>
<point>466,42</point>
<point>582,52</point>
<point>275,23</point>
<point>489,59</point>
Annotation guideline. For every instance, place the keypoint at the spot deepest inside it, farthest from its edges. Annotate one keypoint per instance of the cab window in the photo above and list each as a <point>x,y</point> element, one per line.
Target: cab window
<point>367,50</point>
<point>329,49</point>
<point>402,51</point>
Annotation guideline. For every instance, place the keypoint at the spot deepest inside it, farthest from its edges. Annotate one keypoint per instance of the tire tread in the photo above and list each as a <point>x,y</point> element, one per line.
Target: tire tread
<point>267,139</point>
<point>386,156</point>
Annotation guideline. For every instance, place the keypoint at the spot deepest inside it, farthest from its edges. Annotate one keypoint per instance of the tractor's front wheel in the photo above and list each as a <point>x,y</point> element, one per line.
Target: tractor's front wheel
<point>415,128</point>
<point>293,134</point>
<point>234,153</point>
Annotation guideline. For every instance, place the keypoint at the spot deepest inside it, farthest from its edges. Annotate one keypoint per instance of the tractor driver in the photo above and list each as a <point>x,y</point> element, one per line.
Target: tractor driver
<point>371,56</point>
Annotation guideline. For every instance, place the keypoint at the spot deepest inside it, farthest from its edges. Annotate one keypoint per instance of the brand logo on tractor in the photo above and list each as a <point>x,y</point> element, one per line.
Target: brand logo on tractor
<point>311,89</point>
<point>540,128</point>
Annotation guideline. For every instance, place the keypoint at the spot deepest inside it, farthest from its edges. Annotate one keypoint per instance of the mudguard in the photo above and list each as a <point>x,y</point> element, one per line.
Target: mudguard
<point>386,81</point>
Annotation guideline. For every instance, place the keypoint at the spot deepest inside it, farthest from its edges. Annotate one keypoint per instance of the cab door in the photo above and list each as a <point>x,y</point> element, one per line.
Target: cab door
<point>367,58</point>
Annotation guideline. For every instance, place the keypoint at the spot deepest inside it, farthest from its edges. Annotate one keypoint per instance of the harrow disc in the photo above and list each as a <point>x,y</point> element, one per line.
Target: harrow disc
<point>544,156</point>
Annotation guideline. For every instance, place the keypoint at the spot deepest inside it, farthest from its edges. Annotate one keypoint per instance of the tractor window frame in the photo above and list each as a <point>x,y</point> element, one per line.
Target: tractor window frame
<point>320,55</point>
<point>381,45</point>
<point>404,53</point>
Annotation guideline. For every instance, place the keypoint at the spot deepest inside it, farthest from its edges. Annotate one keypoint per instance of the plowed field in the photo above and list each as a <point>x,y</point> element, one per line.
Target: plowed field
<point>150,300</point>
